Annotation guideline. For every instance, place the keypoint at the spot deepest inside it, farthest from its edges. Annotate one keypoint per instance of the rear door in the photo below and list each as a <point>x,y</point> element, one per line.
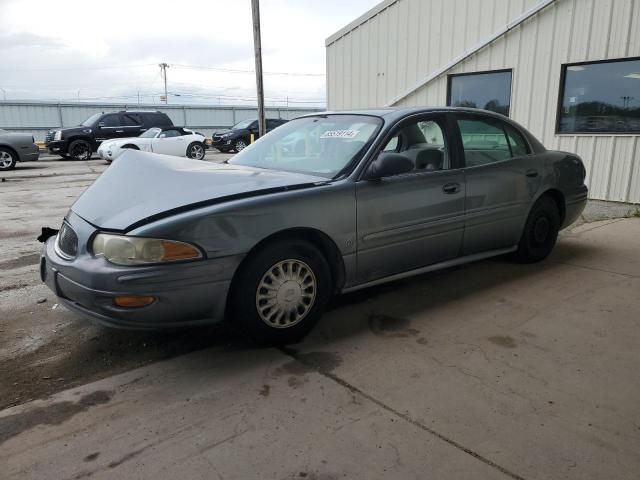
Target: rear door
<point>414,219</point>
<point>131,124</point>
<point>502,179</point>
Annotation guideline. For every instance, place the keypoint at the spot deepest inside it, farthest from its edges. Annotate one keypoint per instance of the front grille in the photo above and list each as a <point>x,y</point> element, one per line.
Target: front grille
<point>67,241</point>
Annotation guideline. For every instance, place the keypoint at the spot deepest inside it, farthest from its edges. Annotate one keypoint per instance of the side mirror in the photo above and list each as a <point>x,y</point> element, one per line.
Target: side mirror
<point>388,164</point>
<point>162,135</point>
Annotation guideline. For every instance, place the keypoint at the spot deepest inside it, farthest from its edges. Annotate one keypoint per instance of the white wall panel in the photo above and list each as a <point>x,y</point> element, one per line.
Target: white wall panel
<point>416,37</point>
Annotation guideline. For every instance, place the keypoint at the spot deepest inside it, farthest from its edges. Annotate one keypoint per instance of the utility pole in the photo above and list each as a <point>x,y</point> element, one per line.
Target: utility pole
<point>163,70</point>
<point>257,47</point>
<point>4,94</point>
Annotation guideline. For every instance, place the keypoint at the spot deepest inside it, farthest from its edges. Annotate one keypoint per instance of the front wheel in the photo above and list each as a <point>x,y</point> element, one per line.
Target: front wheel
<point>540,232</point>
<point>8,159</point>
<point>240,145</point>
<point>282,290</point>
<point>196,150</point>
<point>80,150</point>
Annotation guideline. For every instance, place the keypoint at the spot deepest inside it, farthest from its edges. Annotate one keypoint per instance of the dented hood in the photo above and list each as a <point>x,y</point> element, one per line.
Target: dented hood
<point>141,187</point>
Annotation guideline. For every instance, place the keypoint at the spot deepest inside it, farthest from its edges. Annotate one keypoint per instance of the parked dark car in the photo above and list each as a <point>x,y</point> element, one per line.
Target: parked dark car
<point>16,147</point>
<point>239,136</point>
<point>80,142</point>
<point>365,197</point>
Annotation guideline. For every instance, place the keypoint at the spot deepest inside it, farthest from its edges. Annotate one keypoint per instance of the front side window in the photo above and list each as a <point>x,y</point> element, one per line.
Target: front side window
<point>152,132</point>
<point>485,90</point>
<point>322,145</point>
<point>484,141</point>
<point>89,122</point>
<point>422,142</point>
<point>602,97</point>
<point>110,121</point>
<point>170,134</point>
<point>242,125</point>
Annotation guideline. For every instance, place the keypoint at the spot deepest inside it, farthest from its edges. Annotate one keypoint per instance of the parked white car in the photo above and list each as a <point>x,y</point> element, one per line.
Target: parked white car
<point>176,141</point>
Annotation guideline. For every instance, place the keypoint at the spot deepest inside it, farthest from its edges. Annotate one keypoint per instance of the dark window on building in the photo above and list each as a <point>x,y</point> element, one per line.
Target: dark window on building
<point>486,90</point>
<point>600,97</point>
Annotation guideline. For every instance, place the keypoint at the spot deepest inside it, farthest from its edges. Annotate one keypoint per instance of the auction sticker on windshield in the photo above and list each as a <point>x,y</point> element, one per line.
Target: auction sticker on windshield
<point>340,134</point>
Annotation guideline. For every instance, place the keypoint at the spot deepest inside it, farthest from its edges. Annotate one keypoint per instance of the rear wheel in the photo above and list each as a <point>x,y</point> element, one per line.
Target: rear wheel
<point>540,232</point>
<point>8,159</point>
<point>282,290</point>
<point>80,150</point>
<point>196,150</point>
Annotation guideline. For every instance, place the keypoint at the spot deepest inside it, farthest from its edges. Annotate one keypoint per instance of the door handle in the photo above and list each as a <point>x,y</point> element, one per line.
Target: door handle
<point>119,131</point>
<point>532,173</point>
<point>451,188</point>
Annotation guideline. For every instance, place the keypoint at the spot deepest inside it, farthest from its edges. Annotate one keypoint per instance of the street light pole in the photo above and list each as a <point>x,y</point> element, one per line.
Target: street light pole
<point>4,94</point>
<point>257,47</point>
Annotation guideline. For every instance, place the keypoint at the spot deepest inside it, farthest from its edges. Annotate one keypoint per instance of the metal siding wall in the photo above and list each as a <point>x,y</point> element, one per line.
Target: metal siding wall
<point>567,31</point>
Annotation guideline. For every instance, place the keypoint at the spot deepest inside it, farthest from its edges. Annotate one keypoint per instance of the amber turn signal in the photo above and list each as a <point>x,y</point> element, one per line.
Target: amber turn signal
<point>133,301</point>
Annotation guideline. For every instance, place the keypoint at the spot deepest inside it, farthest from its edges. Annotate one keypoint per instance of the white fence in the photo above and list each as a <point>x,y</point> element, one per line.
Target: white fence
<point>39,117</point>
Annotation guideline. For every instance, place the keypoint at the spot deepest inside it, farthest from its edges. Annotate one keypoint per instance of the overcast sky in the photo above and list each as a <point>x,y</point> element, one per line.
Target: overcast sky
<point>70,49</point>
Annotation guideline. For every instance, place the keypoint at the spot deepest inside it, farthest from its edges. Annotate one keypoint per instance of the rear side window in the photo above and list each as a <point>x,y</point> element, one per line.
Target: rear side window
<point>484,142</point>
<point>157,120</point>
<point>129,120</point>
<point>519,146</point>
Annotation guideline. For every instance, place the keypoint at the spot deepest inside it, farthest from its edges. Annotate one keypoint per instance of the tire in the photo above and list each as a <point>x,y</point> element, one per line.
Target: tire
<point>80,150</point>
<point>240,145</point>
<point>8,159</point>
<point>196,150</point>
<point>540,232</point>
<point>298,303</point>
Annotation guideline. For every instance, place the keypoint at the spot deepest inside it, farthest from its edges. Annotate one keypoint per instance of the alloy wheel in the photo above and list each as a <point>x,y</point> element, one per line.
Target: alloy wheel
<point>6,160</point>
<point>197,152</point>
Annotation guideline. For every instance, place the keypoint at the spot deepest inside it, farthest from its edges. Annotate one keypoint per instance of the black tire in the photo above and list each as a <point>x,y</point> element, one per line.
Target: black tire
<point>240,145</point>
<point>8,159</point>
<point>540,232</point>
<point>80,150</point>
<point>246,292</point>
<point>196,150</point>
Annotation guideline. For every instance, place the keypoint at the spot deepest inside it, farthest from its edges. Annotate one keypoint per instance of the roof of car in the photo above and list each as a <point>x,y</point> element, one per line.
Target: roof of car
<point>395,112</point>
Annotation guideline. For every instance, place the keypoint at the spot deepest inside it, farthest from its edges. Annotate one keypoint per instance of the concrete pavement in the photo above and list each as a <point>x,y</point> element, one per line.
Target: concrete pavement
<point>491,370</point>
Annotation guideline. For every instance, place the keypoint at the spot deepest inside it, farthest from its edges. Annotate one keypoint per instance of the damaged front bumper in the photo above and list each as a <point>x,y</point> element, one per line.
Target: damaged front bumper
<point>185,294</point>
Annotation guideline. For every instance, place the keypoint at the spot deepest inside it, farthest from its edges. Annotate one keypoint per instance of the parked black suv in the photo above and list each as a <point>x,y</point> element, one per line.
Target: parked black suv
<point>81,141</point>
<point>239,136</point>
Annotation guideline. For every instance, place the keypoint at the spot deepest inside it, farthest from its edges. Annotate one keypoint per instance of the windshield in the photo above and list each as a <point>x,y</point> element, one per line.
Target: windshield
<point>242,124</point>
<point>320,145</point>
<point>91,120</point>
<point>152,132</point>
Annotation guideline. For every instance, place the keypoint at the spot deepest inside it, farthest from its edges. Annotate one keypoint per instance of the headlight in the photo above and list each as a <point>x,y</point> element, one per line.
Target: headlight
<point>58,135</point>
<point>124,250</point>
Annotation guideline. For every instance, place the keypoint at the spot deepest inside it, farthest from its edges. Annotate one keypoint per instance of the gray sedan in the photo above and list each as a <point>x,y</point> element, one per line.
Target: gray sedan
<point>327,203</point>
<point>16,147</point>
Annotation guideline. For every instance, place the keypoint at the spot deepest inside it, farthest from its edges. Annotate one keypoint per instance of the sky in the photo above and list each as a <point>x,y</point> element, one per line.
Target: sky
<point>109,51</point>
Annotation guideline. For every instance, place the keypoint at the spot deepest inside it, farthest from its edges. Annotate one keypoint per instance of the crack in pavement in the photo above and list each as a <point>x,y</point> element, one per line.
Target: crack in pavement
<point>404,416</point>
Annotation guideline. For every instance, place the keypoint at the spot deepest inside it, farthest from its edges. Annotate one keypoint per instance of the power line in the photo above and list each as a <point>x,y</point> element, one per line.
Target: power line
<point>235,70</point>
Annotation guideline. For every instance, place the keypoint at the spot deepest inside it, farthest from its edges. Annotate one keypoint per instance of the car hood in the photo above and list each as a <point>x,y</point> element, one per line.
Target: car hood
<point>141,187</point>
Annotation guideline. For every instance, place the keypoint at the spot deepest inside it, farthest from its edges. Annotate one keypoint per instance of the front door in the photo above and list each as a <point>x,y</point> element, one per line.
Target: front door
<point>414,219</point>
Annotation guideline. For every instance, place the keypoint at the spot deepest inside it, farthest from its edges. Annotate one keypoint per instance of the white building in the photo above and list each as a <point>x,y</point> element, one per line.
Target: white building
<point>568,70</point>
